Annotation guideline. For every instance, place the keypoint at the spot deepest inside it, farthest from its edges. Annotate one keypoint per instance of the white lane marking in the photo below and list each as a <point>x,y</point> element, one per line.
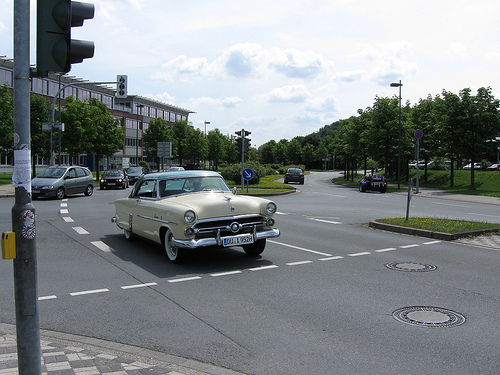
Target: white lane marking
<point>89,292</point>
<point>386,249</point>
<point>64,205</point>
<point>471,213</point>
<point>359,254</point>
<point>68,219</point>
<point>431,242</point>
<point>299,263</point>
<point>225,273</point>
<point>65,200</point>
<point>184,279</point>
<point>263,268</point>
<point>63,211</point>
<point>408,246</point>
<point>101,246</point>
<point>451,204</point>
<point>80,230</point>
<point>46,298</point>
<point>300,248</point>
<point>138,286</point>
<point>332,258</point>
<point>282,213</point>
<point>326,221</point>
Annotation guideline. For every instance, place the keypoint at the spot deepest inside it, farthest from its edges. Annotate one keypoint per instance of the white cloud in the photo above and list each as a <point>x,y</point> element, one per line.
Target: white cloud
<point>457,50</point>
<point>291,94</point>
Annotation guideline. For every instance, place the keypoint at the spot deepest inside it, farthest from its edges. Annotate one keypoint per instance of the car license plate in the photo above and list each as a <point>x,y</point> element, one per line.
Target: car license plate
<point>237,240</point>
<point>35,191</point>
<point>111,183</point>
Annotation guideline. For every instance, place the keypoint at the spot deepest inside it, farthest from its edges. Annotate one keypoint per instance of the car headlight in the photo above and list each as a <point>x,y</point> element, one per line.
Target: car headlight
<point>189,217</point>
<point>102,180</point>
<point>271,208</point>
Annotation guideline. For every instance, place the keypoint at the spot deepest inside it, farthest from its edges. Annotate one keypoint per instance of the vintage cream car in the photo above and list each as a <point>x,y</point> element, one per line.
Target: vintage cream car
<point>190,209</point>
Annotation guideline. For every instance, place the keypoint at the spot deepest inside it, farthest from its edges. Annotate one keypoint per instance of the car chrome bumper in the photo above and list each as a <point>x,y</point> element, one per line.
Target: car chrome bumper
<point>204,242</point>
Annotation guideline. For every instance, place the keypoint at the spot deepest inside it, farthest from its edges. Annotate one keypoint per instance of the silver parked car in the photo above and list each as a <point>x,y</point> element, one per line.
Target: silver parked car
<point>60,181</point>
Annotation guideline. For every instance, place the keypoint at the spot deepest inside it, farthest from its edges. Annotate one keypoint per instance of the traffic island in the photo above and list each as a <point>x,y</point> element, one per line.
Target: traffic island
<point>428,233</point>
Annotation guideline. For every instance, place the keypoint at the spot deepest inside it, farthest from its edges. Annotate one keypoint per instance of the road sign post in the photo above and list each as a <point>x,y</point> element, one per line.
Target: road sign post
<point>418,135</point>
<point>247,175</point>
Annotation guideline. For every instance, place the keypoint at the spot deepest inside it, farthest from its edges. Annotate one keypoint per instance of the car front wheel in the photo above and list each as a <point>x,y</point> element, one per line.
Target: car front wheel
<point>89,190</point>
<point>255,248</point>
<point>60,193</point>
<point>174,254</point>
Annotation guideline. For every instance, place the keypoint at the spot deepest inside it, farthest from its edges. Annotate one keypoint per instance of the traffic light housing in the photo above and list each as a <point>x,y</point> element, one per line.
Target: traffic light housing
<point>121,86</point>
<point>55,50</point>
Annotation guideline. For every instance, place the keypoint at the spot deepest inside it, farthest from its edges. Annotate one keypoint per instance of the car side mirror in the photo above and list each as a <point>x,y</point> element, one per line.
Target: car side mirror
<point>235,190</point>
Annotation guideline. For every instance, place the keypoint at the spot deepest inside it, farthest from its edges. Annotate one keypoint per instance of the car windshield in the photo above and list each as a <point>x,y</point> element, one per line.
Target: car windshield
<point>112,173</point>
<point>177,186</point>
<point>52,173</point>
<point>134,170</point>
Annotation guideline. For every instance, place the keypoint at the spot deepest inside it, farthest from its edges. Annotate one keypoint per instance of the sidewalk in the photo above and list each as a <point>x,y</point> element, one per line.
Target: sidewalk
<point>70,354</point>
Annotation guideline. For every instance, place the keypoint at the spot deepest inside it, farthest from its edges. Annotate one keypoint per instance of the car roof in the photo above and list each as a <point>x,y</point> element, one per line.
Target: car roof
<point>180,174</point>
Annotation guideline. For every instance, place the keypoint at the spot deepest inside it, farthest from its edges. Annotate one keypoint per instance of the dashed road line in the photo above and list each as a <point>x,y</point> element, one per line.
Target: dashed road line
<point>385,250</point>
<point>68,219</point>
<point>263,268</point>
<point>135,286</point>
<point>94,291</point>
<point>332,258</point>
<point>228,273</point>
<point>184,279</point>
<point>326,221</point>
<point>80,230</point>
<point>409,246</point>
<point>299,263</point>
<point>101,246</point>
<point>359,254</point>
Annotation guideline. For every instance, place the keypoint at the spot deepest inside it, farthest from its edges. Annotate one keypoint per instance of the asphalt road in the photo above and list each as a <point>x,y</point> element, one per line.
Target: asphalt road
<point>320,300</point>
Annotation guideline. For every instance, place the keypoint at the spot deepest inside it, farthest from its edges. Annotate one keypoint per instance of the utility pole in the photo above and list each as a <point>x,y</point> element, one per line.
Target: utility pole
<point>23,212</point>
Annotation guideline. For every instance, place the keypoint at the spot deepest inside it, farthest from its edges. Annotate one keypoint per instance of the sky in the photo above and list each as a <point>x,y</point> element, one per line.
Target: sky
<point>282,69</point>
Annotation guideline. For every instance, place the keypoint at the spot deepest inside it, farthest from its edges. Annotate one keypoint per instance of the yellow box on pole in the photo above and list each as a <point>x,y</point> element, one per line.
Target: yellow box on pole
<point>8,245</point>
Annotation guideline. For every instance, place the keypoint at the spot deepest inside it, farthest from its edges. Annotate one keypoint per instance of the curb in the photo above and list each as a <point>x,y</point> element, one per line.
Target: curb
<point>427,233</point>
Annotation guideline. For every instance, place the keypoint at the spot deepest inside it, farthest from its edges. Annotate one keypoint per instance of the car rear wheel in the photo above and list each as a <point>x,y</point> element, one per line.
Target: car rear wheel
<point>255,248</point>
<point>89,190</point>
<point>174,254</point>
<point>60,193</point>
<point>362,188</point>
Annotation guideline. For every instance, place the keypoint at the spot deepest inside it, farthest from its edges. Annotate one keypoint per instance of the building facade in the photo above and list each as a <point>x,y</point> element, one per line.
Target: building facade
<point>134,113</point>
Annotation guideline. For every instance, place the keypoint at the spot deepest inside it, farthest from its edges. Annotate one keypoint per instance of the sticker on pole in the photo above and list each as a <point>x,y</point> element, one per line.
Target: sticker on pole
<point>418,134</point>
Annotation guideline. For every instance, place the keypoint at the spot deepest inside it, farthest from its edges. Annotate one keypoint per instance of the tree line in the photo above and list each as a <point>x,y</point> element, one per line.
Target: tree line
<point>456,127</point>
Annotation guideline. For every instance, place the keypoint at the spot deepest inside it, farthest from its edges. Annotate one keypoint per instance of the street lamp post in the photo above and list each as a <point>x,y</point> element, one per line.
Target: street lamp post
<point>399,141</point>
<point>206,123</point>
<point>137,106</point>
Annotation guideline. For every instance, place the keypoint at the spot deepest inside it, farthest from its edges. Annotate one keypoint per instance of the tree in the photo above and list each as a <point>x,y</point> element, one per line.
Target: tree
<point>157,131</point>
<point>215,144</point>
<point>6,120</point>
<point>194,145</point>
<point>40,140</point>
<point>90,128</point>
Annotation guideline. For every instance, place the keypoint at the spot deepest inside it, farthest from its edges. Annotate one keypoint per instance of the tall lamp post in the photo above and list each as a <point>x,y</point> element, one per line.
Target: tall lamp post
<point>399,142</point>
<point>206,123</point>
<point>137,106</point>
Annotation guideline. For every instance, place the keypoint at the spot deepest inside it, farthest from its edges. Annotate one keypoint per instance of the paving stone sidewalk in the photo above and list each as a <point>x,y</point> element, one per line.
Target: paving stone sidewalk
<point>65,354</point>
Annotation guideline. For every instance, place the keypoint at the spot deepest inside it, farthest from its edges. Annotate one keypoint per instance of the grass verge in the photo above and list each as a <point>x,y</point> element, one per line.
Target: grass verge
<point>439,225</point>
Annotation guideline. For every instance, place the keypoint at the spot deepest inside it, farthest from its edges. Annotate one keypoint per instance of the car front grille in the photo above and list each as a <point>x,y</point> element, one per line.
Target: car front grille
<point>228,226</point>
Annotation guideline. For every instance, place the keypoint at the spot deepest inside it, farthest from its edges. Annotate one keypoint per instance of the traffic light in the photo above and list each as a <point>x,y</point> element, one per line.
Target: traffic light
<point>55,50</point>
<point>247,144</point>
<point>121,86</point>
<point>238,144</point>
<point>56,140</point>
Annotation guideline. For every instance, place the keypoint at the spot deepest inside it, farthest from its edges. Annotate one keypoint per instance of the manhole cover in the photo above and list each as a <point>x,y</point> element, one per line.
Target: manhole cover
<point>427,316</point>
<point>410,266</point>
